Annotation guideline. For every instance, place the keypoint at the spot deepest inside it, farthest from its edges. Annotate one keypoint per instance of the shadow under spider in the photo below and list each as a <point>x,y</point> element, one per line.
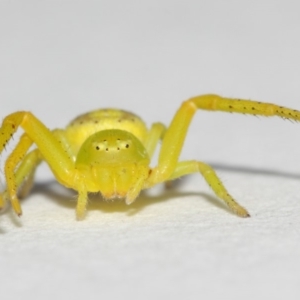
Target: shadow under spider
<point>68,198</point>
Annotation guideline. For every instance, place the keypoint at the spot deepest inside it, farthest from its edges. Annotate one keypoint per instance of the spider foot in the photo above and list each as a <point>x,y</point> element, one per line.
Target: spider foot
<point>241,212</point>
<point>16,206</point>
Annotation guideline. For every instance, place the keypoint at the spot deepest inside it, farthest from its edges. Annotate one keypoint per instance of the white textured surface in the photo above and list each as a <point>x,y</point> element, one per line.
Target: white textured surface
<point>59,59</point>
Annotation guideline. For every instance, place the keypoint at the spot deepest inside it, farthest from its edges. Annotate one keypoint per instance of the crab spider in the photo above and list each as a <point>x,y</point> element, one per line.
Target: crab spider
<point>109,151</point>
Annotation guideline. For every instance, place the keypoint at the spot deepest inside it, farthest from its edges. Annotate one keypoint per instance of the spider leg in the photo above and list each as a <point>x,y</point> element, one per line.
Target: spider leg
<point>50,149</point>
<point>25,187</point>
<point>25,172</point>
<point>49,146</point>
<point>217,103</point>
<point>188,167</point>
<point>24,175</point>
<point>155,134</point>
<point>12,161</point>
<point>81,204</point>
<point>175,134</point>
<point>61,137</point>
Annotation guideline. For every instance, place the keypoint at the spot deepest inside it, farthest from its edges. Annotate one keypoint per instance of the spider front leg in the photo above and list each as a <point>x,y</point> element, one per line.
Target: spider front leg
<point>49,147</point>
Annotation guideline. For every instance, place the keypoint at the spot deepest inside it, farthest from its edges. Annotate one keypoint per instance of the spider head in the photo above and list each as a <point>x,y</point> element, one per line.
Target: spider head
<point>113,162</point>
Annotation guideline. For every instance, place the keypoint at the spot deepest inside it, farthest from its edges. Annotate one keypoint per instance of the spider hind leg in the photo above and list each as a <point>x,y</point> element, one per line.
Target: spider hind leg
<point>188,167</point>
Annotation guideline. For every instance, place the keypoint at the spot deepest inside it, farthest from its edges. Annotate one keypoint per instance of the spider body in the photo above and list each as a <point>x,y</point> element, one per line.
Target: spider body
<point>109,151</point>
<point>106,147</point>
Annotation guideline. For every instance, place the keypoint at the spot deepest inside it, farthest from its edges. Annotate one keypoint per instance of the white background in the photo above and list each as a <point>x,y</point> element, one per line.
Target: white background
<point>62,58</point>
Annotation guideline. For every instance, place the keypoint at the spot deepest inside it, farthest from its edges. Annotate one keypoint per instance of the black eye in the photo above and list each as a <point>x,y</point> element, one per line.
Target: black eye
<point>127,146</point>
<point>97,148</point>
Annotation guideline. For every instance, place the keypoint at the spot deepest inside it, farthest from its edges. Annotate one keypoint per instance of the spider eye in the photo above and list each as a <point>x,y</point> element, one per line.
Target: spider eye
<point>97,148</point>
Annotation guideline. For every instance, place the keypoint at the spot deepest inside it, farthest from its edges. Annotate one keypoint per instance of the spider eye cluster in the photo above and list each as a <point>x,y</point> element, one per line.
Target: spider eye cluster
<point>117,145</point>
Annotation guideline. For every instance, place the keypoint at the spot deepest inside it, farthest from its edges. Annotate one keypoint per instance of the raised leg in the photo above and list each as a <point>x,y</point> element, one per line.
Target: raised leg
<point>176,132</point>
<point>188,167</point>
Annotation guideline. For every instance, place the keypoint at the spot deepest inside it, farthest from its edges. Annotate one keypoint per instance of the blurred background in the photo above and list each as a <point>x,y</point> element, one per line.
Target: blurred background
<point>59,59</point>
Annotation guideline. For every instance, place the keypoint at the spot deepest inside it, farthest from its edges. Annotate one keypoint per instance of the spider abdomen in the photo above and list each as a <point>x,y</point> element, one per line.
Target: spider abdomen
<point>87,124</point>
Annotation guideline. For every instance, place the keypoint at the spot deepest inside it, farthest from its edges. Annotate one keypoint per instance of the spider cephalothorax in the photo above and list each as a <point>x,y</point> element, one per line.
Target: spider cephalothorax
<point>114,162</point>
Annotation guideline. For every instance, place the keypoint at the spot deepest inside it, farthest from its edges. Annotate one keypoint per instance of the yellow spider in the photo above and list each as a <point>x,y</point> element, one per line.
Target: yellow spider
<point>109,151</point>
